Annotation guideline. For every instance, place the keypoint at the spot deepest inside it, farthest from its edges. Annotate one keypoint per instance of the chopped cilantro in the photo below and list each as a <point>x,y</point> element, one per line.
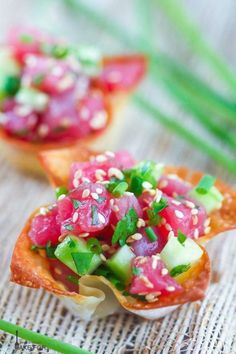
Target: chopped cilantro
<point>60,191</point>
<point>76,203</point>
<point>105,272</point>
<point>94,213</point>
<point>82,261</point>
<point>94,245</point>
<point>11,85</point>
<point>73,279</point>
<point>205,184</point>
<point>120,189</point>
<point>125,227</point>
<point>159,206</point>
<point>179,269</point>
<point>156,207</point>
<point>181,237</point>
<point>50,250</point>
<point>136,271</point>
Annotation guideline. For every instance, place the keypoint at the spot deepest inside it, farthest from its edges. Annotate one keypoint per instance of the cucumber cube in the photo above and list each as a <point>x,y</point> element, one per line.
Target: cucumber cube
<point>177,254</point>
<point>212,200</point>
<point>71,246</point>
<point>32,98</point>
<point>120,263</point>
<point>8,67</point>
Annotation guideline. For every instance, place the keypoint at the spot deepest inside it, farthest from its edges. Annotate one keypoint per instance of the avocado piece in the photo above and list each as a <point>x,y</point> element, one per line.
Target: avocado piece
<point>120,263</point>
<point>176,253</point>
<point>69,251</point>
<point>212,200</point>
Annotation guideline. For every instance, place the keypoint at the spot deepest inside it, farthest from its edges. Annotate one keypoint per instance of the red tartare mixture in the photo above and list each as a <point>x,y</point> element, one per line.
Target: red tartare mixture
<point>126,221</point>
<point>53,92</point>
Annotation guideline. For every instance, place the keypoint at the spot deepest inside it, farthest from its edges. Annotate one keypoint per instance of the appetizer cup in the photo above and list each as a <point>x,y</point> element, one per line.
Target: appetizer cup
<point>53,95</point>
<point>122,235</point>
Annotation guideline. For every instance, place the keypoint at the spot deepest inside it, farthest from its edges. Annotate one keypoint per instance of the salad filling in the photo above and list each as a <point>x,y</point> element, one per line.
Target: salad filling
<point>53,92</point>
<point>129,222</point>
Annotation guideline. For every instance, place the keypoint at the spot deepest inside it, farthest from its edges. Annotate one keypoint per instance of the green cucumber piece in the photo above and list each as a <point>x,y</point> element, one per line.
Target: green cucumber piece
<point>120,263</point>
<point>90,59</point>
<point>32,98</point>
<point>176,253</point>
<point>211,200</point>
<point>71,246</point>
<point>8,67</point>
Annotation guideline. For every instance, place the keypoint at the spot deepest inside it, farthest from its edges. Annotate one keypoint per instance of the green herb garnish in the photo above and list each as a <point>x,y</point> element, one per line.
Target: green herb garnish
<point>61,191</point>
<point>69,227</point>
<point>181,237</point>
<point>125,227</point>
<point>94,245</point>
<point>136,271</point>
<point>120,189</point>
<point>11,85</point>
<point>151,234</point>
<point>94,213</point>
<point>26,38</point>
<point>73,279</point>
<point>50,250</point>
<point>76,203</point>
<point>82,261</point>
<point>179,269</point>
<point>106,273</point>
<point>205,184</point>
<point>100,199</point>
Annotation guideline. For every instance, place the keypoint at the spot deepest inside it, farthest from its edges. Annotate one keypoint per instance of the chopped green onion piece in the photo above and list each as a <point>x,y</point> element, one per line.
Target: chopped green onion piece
<point>11,85</point>
<point>136,185</point>
<point>94,213</point>
<point>120,189</point>
<point>82,261</point>
<point>69,227</point>
<point>125,227</point>
<point>26,38</point>
<point>179,269</point>
<point>136,271</point>
<point>205,184</point>
<point>94,246</point>
<point>61,191</point>
<point>181,237</point>
<point>50,250</point>
<point>150,234</point>
<point>59,51</point>
<point>73,279</point>
<point>107,273</point>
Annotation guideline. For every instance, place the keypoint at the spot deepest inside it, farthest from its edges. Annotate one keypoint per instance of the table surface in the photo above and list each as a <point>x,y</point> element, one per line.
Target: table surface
<point>208,326</point>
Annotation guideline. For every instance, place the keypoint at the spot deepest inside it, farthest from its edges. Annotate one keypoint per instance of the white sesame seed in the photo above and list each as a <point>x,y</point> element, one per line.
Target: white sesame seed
<point>75,183</point>
<point>101,218</point>
<point>158,195</point>
<point>85,193</point>
<point>189,204</point>
<point>105,247</point>
<point>155,260</point>
<point>146,281</point>
<point>175,202</point>
<point>84,234</point>
<point>112,202</point>
<point>140,223</point>
<point>194,211</point>
<point>66,82</point>
<point>115,208</point>
<point>101,158</point>
<point>171,234</point>
<point>85,180</point>
<point>99,174</point>
<point>146,185</point>
<point>94,195</point>
<point>62,196</point>
<point>196,233</point>
<point>137,236</point>
<point>43,130</point>
<point>151,192</point>
<point>103,258</point>
<point>113,171</point>
<point>163,183</point>
<point>43,211</point>
<point>207,230</point>
<point>164,271</point>
<point>110,154</point>
<point>179,214</point>
<point>99,120</point>
<point>168,227</point>
<point>170,288</point>
<point>163,221</point>
<point>151,298</point>
<point>195,219</point>
<point>207,222</point>
<point>99,190</point>
<point>75,216</point>
<point>78,174</point>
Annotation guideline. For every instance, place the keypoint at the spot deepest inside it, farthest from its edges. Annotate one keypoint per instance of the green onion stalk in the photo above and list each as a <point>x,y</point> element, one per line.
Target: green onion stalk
<point>40,339</point>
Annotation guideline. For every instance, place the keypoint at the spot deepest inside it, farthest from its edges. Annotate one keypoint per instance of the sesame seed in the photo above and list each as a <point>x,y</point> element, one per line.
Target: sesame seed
<point>207,230</point>
<point>113,171</point>
<point>195,219</point>
<point>99,174</point>
<point>137,236</point>
<point>112,202</point>
<point>58,271</point>
<point>151,298</point>
<point>105,247</point>
<point>78,174</point>
<point>66,82</point>
<point>43,130</point>
<point>85,193</point>
<point>75,216</point>
<point>43,211</point>
<point>189,204</point>
<point>175,202</point>
<point>84,234</point>
<point>163,221</point>
<point>99,190</point>
<point>101,158</point>
<point>207,222</point>
<point>129,193</point>
<point>103,258</point>
<point>94,195</point>
<point>140,223</point>
<point>168,227</point>
<point>163,183</point>
<point>61,238</point>
<point>164,271</point>
<point>151,192</point>
<point>57,71</point>
<point>146,281</point>
<point>101,218</point>
<point>170,288</point>
<point>75,183</point>
<point>115,208</point>
<point>179,214</point>
<point>194,211</point>
<point>196,233</point>
<point>158,195</point>
<point>99,120</point>
<point>110,154</point>
<point>155,260</point>
<point>146,185</point>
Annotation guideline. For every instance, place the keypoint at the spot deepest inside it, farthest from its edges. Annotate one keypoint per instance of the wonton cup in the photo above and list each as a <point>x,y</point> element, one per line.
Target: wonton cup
<point>23,154</point>
<point>97,296</point>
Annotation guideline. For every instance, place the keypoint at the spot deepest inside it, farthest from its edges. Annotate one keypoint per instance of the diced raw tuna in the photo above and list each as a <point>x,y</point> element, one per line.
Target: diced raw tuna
<point>152,277</point>
<point>85,209</point>
<point>121,206</point>
<point>45,228</point>
<point>146,247</point>
<point>63,274</point>
<point>173,186</point>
